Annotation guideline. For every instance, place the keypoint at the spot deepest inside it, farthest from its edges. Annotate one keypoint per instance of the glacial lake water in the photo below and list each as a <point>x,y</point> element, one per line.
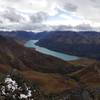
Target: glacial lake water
<point>65,57</point>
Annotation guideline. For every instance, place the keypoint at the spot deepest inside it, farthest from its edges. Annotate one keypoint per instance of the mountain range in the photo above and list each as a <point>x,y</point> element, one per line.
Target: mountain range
<point>28,61</point>
<point>55,78</point>
<point>83,43</point>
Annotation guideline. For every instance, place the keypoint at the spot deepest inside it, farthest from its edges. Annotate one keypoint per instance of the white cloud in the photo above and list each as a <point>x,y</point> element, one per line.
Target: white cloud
<point>36,14</point>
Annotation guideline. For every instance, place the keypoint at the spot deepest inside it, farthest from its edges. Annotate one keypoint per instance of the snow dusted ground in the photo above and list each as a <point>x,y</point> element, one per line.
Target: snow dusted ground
<point>11,86</point>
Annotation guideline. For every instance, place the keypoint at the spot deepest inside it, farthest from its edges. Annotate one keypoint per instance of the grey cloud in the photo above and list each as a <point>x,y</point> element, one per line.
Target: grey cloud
<point>89,10</point>
<point>70,7</point>
<point>35,22</point>
<point>93,0</point>
<point>62,27</point>
<point>38,17</point>
<point>84,27</point>
<point>35,27</point>
<point>81,27</point>
<point>1,21</point>
<point>42,27</point>
<point>19,21</point>
<point>67,5</point>
<point>12,15</point>
<point>30,27</point>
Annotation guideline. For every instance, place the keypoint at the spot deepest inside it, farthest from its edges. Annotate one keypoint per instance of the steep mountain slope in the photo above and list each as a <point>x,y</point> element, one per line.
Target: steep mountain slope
<point>56,79</point>
<point>34,66</point>
<point>19,56</point>
<point>85,44</point>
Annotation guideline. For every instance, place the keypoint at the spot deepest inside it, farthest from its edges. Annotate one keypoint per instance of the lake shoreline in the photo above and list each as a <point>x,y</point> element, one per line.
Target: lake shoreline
<point>43,50</point>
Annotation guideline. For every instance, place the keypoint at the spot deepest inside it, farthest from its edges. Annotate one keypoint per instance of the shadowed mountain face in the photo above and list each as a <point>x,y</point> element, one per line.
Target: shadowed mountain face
<point>84,44</point>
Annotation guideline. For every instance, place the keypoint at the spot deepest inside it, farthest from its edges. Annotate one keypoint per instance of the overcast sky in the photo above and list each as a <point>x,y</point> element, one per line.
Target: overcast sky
<point>39,15</point>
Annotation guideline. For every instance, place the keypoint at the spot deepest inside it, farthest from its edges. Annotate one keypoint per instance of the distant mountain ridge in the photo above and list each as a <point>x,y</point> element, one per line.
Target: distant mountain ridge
<point>83,43</point>
<point>23,35</point>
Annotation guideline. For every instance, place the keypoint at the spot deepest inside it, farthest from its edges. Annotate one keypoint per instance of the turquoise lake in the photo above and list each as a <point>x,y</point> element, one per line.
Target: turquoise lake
<point>66,57</point>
